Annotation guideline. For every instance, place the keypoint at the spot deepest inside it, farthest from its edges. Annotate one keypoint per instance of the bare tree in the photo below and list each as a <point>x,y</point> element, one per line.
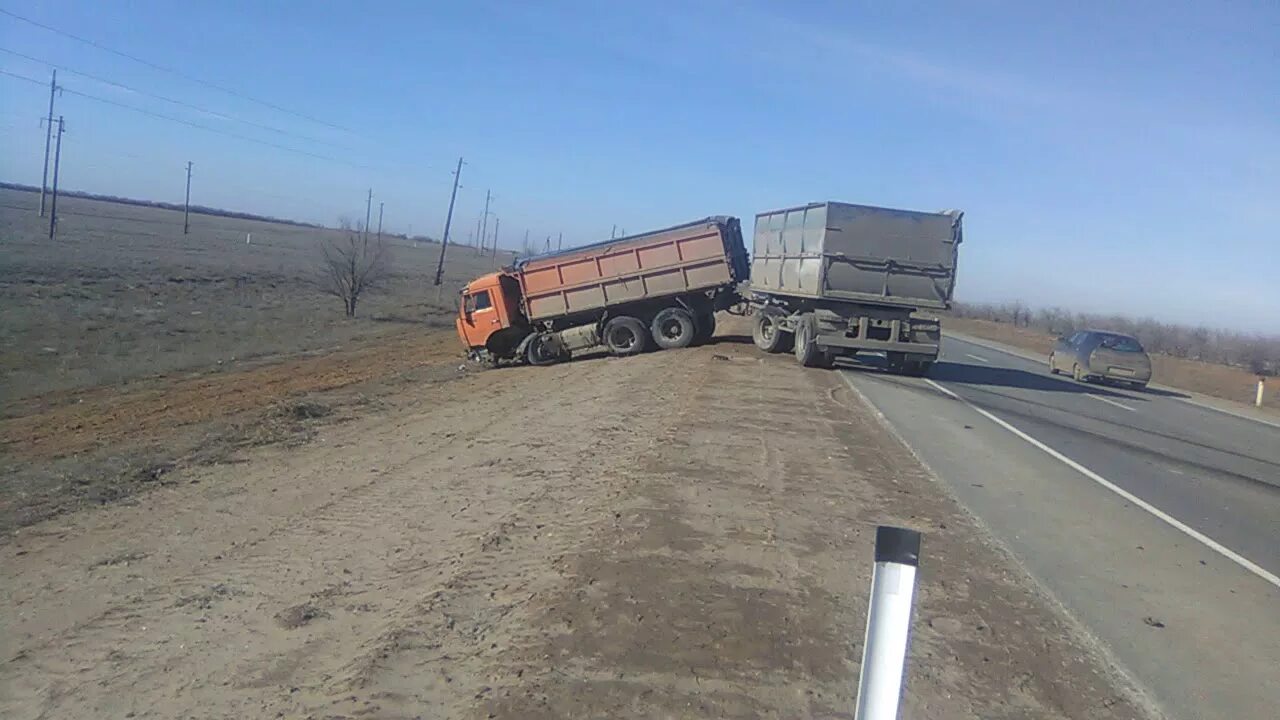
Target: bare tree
<point>352,267</point>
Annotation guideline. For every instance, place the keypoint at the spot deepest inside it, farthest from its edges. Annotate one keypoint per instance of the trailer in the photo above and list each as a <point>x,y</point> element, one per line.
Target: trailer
<point>657,289</point>
<point>833,279</point>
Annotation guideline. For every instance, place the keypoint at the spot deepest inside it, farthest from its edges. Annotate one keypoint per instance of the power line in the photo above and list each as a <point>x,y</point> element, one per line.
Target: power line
<point>181,103</point>
<point>179,73</point>
<point>189,123</point>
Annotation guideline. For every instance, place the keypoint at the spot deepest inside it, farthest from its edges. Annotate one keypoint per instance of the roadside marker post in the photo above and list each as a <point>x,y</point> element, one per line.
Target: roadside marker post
<point>884,652</point>
<point>1257,401</point>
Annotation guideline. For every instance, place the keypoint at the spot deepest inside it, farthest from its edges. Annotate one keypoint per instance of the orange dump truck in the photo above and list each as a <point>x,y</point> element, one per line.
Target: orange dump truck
<point>660,287</point>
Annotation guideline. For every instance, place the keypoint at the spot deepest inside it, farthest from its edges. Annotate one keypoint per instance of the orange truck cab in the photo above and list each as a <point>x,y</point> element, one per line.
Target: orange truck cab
<point>489,314</point>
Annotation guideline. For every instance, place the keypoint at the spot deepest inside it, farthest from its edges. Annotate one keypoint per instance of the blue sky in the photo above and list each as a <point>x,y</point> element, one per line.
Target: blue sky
<point>1109,156</point>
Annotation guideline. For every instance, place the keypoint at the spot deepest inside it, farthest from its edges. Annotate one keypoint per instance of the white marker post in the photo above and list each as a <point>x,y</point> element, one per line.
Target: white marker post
<point>884,655</point>
<point>1257,401</point>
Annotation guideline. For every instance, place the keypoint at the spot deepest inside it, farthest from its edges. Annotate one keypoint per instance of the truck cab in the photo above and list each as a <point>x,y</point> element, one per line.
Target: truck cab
<point>489,314</point>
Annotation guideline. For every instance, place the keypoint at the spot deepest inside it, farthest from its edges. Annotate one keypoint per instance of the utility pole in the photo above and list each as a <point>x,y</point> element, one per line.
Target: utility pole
<point>477,234</point>
<point>496,223</point>
<point>547,247</point>
<point>525,247</point>
<point>186,208</point>
<point>484,219</point>
<point>559,242</point>
<point>380,206</point>
<point>448,218</point>
<point>368,210</point>
<point>57,160</point>
<point>614,232</point>
<point>48,135</point>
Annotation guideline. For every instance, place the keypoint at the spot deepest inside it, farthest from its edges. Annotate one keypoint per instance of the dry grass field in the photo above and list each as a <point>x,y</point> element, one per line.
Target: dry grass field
<point>121,294</point>
<point>1220,381</point>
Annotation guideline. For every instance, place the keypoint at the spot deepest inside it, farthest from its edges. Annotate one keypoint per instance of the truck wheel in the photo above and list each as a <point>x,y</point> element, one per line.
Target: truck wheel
<point>540,352</point>
<point>672,328</point>
<point>807,351</point>
<point>916,368</point>
<point>705,327</point>
<point>625,335</point>
<point>767,331</point>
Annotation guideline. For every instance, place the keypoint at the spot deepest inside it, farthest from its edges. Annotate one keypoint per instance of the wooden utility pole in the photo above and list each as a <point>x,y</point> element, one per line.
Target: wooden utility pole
<point>476,235</point>
<point>559,242</point>
<point>448,219</point>
<point>614,232</point>
<point>484,219</point>
<point>186,207</point>
<point>380,206</point>
<point>57,160</point>
<point>496,223</point>
<point>49,136</point>
<point>368,211</point>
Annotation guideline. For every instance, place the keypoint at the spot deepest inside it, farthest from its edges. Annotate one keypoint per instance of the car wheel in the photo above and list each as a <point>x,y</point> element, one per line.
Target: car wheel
<point>1078,375</point>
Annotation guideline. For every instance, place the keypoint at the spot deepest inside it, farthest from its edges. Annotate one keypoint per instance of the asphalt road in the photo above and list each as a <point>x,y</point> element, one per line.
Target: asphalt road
<point>1153,521</point>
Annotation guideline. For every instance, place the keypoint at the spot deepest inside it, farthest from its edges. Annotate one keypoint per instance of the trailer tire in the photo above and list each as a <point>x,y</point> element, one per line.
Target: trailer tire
<point>767,330</point>
<point>539,353</point>
<point>705,326</point>
<point>673,328</point>
<point>625,336</point>
<point>807,351</point>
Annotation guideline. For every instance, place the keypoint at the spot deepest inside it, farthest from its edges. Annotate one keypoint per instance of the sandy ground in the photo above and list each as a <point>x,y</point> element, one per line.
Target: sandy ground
<point>1220,381</point>
<point>682,534</point>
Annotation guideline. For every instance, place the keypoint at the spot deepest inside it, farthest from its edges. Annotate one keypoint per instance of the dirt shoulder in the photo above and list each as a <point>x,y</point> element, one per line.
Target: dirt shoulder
<point>67,450</point>
<point>1218,381</point>
<point>682,534</point>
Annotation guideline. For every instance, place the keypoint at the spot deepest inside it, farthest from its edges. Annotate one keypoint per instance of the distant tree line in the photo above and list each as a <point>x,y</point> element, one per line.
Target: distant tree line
<point>199,209</point>
<point>1252,351</point>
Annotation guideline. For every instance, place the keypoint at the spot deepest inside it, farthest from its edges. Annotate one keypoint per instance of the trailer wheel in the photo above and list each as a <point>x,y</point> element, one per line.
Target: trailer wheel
<point>767,330</point>
<point>705,327</point>
<point>625,335</point>
<point>807,351</point>
<point>672,328</point>
<point>540,352</point>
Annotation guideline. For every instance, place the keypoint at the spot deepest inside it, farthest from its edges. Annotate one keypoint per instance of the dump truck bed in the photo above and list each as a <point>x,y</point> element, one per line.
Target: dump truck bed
<point>696,256</point>
<point>857,253</point>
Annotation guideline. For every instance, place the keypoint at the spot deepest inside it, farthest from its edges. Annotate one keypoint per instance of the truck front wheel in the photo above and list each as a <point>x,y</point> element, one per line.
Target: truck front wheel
<point>672,328</point>
<point>625,335</point>
<point>542,352</point>
<point>705,324</point>
<point>807,351</point>
<point>767,330</point>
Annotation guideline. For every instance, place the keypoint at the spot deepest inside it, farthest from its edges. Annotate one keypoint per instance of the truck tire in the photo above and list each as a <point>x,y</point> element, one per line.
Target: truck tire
<point>625,336</point>
<point>767,330</point>
<point>673,328</point>
<point>705,327</point>
<point>540,352</point>
<point>807,352</point>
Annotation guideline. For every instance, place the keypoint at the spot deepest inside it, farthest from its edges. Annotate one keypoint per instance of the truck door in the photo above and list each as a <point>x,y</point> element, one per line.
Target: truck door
<point>479,317</point>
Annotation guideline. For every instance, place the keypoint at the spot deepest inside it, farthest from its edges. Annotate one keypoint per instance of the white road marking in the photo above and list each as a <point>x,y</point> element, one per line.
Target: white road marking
<point>1109,401</point>
<point>975,357</point>
<point>1200,537</point>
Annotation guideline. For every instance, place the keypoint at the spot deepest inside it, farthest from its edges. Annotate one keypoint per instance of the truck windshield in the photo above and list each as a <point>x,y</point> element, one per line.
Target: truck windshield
<point>1120,343</point>
<point>478,301</point>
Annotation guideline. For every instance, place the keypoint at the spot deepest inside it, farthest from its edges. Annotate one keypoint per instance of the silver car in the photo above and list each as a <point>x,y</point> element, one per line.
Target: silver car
<point>1101,355</point>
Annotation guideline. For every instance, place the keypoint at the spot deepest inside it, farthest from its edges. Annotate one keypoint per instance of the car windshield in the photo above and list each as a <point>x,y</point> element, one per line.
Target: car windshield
<point>1120,343</point>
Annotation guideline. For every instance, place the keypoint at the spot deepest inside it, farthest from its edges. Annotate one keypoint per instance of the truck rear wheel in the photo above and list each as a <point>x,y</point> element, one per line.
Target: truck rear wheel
<point>625,335</point>
<point>807,351</point>
<point>767,330</point>
<point>672,328</point>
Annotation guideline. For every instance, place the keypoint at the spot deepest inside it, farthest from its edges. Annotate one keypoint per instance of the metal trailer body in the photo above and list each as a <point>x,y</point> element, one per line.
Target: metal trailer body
<point>697,258</point>
<point>661,287</point>
<point>836,279</point>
